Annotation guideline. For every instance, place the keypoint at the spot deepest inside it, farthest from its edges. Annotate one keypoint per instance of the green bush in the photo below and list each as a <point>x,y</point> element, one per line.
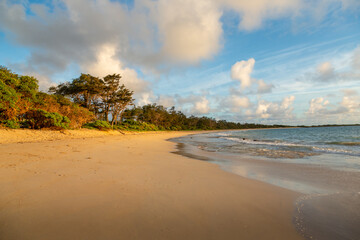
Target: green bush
<point>38,118</point>
<point>11,124</point>
<point>98,124</point>
<point>131,125</point>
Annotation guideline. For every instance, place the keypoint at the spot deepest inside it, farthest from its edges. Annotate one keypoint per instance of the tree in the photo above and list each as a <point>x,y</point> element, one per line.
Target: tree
<point>121,99</point>
<point>114,97</point>
<point>84,90</point>
<point>22,105</point>
<point>104,97</point>
<point>17,94</point>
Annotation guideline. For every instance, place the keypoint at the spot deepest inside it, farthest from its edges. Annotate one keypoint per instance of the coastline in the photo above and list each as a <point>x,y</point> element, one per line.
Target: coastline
<point>132,187</point>
<point>329,203</point>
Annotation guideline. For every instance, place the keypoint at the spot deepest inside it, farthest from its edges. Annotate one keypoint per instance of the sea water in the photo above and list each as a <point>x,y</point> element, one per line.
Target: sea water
<point>333,147</point>
<point>320,163</point>
<point>316,160</point>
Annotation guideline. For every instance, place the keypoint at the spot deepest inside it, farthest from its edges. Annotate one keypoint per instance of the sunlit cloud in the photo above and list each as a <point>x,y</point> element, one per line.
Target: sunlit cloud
<point>242,70</point>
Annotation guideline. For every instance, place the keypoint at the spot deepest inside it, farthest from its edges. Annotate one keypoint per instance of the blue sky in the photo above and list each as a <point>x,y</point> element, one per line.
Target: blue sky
<point>288,62</point>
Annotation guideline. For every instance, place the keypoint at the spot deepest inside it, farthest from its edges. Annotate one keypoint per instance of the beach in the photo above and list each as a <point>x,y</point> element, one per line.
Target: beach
<point>321,164</point>
<point>130,186</point>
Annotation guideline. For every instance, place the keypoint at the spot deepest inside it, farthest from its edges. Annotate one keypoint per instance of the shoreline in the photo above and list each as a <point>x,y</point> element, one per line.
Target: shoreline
<point>328,206</point>
<point>132,187</point>
<point>30,135</point>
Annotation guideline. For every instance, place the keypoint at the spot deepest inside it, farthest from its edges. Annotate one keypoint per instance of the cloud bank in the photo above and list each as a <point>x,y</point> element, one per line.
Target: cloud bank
<point>151,34</point>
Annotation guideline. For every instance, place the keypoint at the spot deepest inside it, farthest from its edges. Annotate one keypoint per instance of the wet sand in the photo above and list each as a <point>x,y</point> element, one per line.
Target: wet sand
<point>329,206</point>
<point>334,216</point>
<point>132,187</point>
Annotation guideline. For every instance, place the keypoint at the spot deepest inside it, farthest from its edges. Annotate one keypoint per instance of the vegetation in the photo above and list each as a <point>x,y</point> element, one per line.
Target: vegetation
<point>38,118</point>
<point>22,105</point>
<point>170,119</point>
<point>98,124</point>
<point>89,102</point>
<point>104,97</point>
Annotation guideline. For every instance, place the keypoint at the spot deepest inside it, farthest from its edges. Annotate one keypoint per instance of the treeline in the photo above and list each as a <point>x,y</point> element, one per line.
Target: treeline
<point>91,102</point>
<point>170,119</point>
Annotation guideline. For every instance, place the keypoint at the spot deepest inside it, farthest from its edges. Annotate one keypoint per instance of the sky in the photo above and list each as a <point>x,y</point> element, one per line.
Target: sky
<point>294,62</point>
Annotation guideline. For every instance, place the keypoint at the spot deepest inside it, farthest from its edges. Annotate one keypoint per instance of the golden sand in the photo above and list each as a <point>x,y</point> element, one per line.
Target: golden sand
<point>129,187</point>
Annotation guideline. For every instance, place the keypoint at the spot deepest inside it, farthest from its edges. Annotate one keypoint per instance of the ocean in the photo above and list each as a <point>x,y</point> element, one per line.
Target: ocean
<point>322,164</point>
<point>339,147</point>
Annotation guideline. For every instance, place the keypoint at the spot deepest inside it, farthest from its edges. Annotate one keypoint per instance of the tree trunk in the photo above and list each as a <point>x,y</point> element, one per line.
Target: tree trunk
<point>114,118</point>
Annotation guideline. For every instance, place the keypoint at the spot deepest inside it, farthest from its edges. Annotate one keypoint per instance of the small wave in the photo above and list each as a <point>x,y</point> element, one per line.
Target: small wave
<point>334,150</point>
<point>318,149</point>
<point>222,134</point>
<point>346,143</point>
<point>257,142</point>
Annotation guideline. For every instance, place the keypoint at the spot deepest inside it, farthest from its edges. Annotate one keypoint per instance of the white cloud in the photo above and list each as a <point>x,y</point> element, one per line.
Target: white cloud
<point>201,106</point>
<point>326,71</point>
<point>349,106</point>
<point>237,101</point>
<point>346,68</point>
<point>347,110</point>
<point>145,98</point>
<point>241,71</point>
<point>147,35</point>
<point>351,103</point>
<point>234,104</point>
<point>166,101</point>
<point>349,92</point>
<point>253,13</point>
<point>263,87</point>
<point>106,63</point>
<point>317,105</point>
<point>249,113</point>
<point>190,104</point>
<point>275,110</point>
<point>44,81</point>
<point>263,108</point>
<point>190,30</point>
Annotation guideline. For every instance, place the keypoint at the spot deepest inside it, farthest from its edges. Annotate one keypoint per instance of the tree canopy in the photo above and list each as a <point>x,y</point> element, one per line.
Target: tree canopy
<point>104,97</point>
<point>23,105</point>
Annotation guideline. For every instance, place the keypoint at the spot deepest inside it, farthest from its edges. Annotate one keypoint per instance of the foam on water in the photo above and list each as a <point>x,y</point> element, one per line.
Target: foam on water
<point>323,164</point>
<point>338,147</point>
<point>309,141</point>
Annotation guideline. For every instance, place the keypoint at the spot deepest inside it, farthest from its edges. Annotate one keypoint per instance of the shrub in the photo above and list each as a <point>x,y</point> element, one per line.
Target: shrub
<point>38,118</point>
<point>132,125</point>
<point>98,124</point>
<point>8,102</point>
<point>77,115</point>
<point>11,124</point>
<point>21,101</point>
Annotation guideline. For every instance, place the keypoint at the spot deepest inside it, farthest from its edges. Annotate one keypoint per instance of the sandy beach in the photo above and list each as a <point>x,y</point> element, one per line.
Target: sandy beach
<point>129,186</point>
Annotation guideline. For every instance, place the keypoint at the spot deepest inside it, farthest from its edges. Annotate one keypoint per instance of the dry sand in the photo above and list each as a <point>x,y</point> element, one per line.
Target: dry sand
<point>27,135</point>
<point>131,187</point>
